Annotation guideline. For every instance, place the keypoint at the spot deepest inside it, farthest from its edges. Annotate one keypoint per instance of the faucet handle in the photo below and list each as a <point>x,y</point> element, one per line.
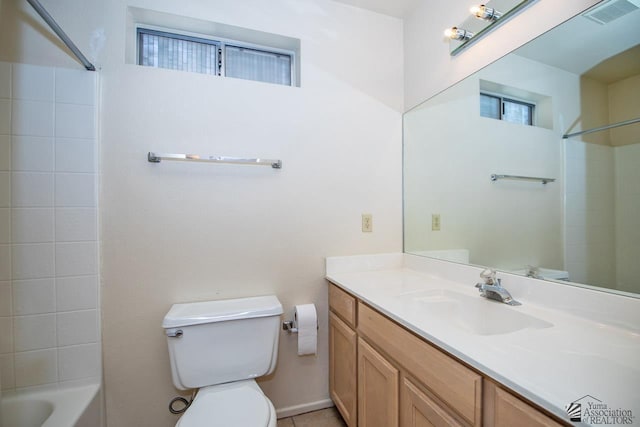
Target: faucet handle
<point>489,276</point>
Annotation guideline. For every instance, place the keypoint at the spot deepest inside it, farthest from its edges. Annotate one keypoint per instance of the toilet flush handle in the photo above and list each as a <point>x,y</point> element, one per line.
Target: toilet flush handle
<point>174,333</point>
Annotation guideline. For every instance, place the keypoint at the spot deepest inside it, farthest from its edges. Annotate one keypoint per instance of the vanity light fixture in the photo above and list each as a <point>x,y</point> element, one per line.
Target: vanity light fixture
<point>486,13</point>
<point>455,33</point>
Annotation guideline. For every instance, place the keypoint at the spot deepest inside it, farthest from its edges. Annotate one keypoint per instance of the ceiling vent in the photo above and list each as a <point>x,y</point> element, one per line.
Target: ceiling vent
<point>612,10</point>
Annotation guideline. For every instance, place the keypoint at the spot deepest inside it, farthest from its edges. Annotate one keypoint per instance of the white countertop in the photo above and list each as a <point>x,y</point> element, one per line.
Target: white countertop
<point>572,341</point>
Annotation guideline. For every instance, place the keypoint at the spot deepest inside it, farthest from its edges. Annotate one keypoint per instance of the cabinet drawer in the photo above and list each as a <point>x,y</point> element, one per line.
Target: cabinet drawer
<point>452,382</point>
<point>343,304</point>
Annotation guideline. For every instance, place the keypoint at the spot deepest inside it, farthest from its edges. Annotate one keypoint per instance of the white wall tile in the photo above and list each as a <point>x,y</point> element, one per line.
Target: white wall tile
<point>33,261</point>
<point>5,299</point>
<point>76,259</point>
<point>32,82</point>
<point>33,118</point>
<point>7,374</point>
<point>77,362</point>
<point>36,296</point>
<point>76,293</point>
<point>31,189</point>
<point>5,152</point>
<point>5,262</point>
<point>6,335</point>
<point>76,224</point>
<point>5,80</point>
<point>75,121</point>
<point>36,367</point>
<point>32,225</point>
<point>5,225</point>
<point>32,153</point>
<point>75,155</point>
<point>75,190</point>
<point>75,86</point>
<point>5,189</point>
<point>34,332</point>
<point>77,327</point>
<point>5,116</point>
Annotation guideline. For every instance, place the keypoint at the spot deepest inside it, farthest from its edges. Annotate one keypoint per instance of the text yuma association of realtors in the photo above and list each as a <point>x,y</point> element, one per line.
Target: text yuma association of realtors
<point>600,413</point>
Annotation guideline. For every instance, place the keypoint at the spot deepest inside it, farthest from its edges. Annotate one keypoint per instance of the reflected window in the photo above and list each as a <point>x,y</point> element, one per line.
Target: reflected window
<point>509,110</point>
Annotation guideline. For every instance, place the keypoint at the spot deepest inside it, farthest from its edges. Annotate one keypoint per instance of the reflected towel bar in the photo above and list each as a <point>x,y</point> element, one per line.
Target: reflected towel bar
<point>496,177</point>
<point>156,157</point>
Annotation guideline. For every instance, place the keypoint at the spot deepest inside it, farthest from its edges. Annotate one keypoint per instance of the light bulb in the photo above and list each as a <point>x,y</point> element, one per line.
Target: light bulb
<point>455,33</point>
<point>486,13</point>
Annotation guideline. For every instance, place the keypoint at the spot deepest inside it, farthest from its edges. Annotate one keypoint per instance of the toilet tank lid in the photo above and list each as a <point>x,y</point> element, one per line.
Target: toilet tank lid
<point>197,313</point>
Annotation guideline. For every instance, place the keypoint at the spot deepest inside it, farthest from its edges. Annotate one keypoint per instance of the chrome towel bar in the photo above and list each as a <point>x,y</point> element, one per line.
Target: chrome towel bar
<point>157,157</point>
<point>496,177</point>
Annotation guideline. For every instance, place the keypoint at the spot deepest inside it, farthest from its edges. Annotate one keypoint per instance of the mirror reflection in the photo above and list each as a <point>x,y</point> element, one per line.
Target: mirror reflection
<point>581,224</point>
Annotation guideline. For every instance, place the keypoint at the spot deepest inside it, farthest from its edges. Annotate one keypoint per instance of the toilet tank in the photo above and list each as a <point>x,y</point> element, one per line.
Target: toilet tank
<point>216,342</point>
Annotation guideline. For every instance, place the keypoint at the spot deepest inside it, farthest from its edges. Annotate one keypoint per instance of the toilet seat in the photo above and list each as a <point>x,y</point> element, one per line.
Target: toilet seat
<point>238,404</point>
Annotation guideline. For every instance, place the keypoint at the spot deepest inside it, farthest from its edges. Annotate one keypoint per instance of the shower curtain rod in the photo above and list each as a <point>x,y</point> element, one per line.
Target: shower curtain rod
<point>63,36</point>
<point>598,129</point>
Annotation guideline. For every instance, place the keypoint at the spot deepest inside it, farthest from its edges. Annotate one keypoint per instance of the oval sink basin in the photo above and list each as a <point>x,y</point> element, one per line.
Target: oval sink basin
<point>476,315</point>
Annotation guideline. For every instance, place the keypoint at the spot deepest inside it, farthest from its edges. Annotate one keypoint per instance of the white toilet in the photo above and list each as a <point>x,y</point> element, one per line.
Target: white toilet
<point>219,347</point>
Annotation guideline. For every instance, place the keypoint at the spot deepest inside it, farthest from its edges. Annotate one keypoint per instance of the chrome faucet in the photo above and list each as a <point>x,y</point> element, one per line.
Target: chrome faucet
<point>492,288</point>
<point>533,272</point>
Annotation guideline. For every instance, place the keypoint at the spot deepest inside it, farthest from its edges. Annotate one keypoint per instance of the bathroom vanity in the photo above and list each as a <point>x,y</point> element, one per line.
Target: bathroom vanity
<point>413,344</point>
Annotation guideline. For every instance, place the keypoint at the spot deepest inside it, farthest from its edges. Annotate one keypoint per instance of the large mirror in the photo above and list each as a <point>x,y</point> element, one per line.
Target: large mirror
<point>576,214</point>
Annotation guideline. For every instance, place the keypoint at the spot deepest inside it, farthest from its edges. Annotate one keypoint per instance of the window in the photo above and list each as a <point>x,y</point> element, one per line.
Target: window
<point>222,57</point>
<point>509,110</point>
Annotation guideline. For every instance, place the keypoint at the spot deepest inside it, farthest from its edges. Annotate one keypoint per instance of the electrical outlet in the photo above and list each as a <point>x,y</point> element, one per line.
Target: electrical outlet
<point>367,223</point>
<point>435,222</point>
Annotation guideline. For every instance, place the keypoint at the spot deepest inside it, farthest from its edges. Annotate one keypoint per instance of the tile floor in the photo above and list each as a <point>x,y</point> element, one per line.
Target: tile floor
<point>323,418</point>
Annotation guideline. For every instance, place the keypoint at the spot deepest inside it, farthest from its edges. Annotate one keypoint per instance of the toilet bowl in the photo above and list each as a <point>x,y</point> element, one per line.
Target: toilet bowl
<point>239,403</point>
<point>220,347</point>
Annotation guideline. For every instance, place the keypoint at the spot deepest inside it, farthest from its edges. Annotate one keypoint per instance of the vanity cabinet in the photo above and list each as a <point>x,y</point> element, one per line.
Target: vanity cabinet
<point>383,375</point>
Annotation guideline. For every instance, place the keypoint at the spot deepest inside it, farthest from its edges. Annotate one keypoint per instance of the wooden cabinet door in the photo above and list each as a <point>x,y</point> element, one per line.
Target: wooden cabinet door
<point>420,410</point>
<point>502,409</point>
<point>377,389</point>
<point>342,369</point>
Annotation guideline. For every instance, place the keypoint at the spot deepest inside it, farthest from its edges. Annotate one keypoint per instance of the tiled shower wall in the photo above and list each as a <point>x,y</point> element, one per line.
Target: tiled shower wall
<point>49,316</point>
<point>590,213</point>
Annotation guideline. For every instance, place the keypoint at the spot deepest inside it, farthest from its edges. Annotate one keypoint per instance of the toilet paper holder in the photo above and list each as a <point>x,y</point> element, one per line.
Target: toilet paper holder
<point>287,325</point>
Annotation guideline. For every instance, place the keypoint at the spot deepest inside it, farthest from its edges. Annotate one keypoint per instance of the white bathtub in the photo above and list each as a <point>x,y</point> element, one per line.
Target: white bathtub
<point>62,407</point>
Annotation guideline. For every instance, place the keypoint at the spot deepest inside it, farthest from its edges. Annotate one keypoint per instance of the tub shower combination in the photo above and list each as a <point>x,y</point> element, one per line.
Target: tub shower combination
<point>53,406</point>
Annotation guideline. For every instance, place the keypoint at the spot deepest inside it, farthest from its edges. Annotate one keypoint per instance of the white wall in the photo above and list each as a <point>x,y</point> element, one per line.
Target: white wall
<point>49,316</point>
<point>428,67</point>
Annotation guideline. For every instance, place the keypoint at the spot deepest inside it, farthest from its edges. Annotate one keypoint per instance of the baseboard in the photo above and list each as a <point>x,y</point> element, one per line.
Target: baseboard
<point>290,411</point>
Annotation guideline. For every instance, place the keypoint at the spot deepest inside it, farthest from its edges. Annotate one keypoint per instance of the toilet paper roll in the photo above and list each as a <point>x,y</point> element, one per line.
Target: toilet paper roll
<point>305,319</point>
